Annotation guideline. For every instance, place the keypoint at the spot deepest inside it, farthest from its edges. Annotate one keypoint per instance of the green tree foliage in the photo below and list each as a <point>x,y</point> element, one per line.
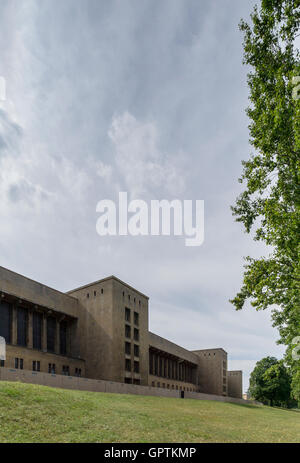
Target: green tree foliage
<point>269,205</point>
<point>257,381</point>
<point>277,381</point>
<point>270,382</point>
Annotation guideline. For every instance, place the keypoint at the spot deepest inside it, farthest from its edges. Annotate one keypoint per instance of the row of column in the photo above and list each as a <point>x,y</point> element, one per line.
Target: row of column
<point>168,368</point>
<point>29,344</point>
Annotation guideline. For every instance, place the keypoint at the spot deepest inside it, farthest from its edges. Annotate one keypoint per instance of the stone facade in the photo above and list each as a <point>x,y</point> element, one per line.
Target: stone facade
<point>235,383</point>
<point>100,331</point>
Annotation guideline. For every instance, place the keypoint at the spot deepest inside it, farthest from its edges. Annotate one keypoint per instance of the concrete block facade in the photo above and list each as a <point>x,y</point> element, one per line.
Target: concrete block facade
<point>100,332</point>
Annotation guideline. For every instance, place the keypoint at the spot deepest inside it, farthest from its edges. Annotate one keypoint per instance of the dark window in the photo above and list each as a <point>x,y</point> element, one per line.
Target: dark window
<point>137,381</point>
<point>66,370</point>
<point>136,350</point>
<point>5,321</point>
<point>128,380</point>
<point>136,334</point>
<point>21,364</point>
<point>51,329</point>
<point>37,322</point>
<point>78,372</point>
<point>63,338</point>
<point>2,363</point>
<point>127,365</point>
<point>87,295</point>
<point>16,362</point>
<point>136,367</point>
<point>51,368</point>
<point>95,293</point>
<point>136,318</point>
<point>22,317</point>
<point>127,331</point>
<point>102,291</point>
<point>127,314</point>
<point>127,348</point>
<point>36,366</point>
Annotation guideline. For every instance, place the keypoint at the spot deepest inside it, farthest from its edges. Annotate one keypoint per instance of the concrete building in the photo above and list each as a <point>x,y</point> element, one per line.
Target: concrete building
<point>100,331</point>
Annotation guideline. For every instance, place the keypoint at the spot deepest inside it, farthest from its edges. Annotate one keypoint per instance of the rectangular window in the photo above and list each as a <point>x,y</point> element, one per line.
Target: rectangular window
<point>136,334</point>
<point>136,350</point>
<point>136,318</point>
<point>66,370</point>
<point>16,362</point>
<point>37,323</point>
<point>137,382</point>
<point>5,321</point>
<point>36,366</point>
<point>21,364</point>
<point>127,365</point>
<point>136,367</point>
<point>51,368</point>
<point>78,372</point>
<point>63,338</point>
<point>22,318</point>
<point>2,363</point>
<point>127,331</point>
<point>127,348</point>
<point>127,314</point>
<point>51,329</point>
<point>128,380</point>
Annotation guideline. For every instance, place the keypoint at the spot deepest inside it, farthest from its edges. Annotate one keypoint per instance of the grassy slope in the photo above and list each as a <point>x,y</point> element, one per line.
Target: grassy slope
<point>30,413</point>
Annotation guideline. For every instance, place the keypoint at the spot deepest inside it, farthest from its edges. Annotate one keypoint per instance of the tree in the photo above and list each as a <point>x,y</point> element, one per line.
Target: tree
<point>257,388</point>
<point>269,205</point>
<point>277,384</point>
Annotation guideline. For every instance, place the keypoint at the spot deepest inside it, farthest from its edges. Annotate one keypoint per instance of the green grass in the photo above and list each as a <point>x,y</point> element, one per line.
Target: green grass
<point>30,413</point>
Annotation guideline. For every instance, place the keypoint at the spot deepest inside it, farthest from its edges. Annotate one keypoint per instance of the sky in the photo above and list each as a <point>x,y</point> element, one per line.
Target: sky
<point>146,97</point>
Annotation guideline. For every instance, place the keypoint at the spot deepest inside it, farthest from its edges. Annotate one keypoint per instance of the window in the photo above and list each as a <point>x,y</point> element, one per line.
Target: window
<point>137,381</point>
<point>136,318</point>
<point>158,384</point>
<point>63,338</point>
<point>129,297</point>
<point>87,296</point>
<point>136,350</point>
<point>51,368</point>
<point>36,366</point>
<point>127,331</point>
<point>127,348</point>
<point>66,370</point>
<point>136,334</point>
<point>22,326</point>
<point>127,365</point>
<point>128,380</point>
<point>95,293</point>
<point>101,290</point>
<point>19,363</point>
<point>127,314</point>
<point>5,321</point>
<point>2,363</point>
<point>78,372</point>
<point>37,322</point>
<point>51,329</point>
<point>153,383</point>
<point>136,367</point>
<point>140,303</point>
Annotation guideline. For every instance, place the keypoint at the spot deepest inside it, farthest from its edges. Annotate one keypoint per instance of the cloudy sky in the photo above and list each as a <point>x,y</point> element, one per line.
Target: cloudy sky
<point>142,96</point>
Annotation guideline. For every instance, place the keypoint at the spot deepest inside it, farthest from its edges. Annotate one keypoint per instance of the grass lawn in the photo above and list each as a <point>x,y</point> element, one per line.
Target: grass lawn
<point>31,413</point>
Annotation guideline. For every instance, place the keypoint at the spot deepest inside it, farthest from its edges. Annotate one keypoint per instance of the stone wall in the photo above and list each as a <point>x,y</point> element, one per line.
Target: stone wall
<point>84,384</point>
